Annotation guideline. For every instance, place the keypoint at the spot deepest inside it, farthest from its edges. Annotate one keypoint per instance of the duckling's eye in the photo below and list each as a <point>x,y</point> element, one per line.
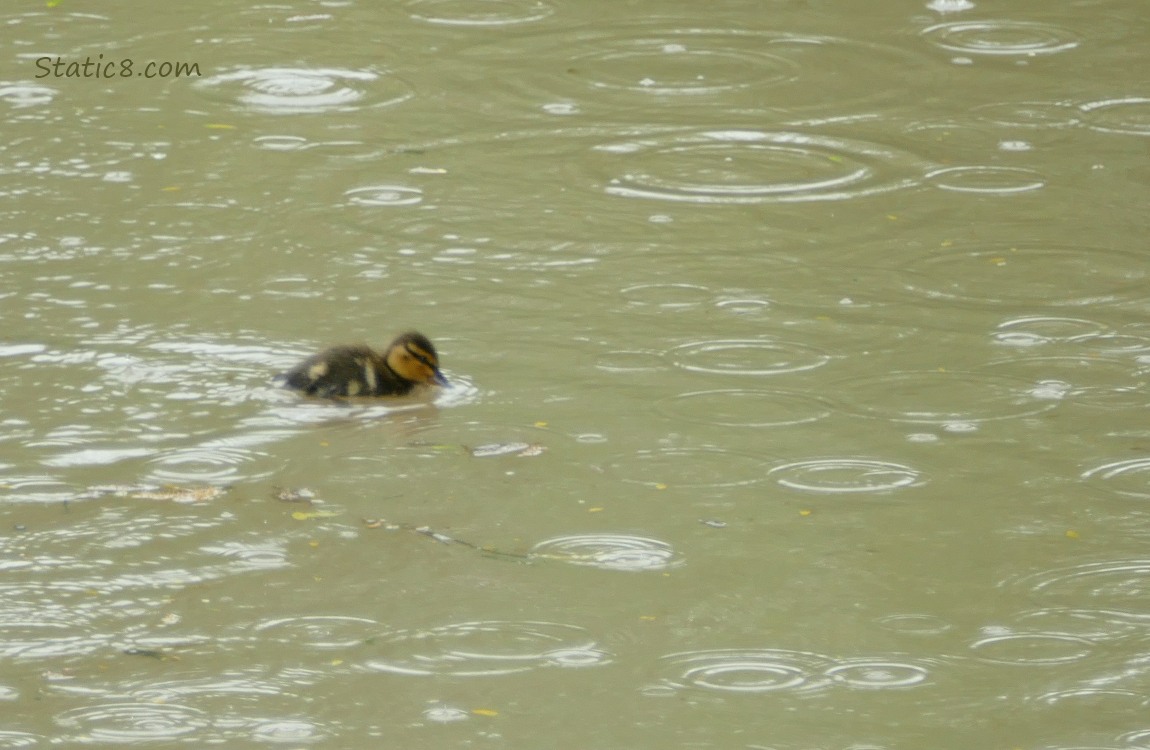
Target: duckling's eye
<point>420,358</point>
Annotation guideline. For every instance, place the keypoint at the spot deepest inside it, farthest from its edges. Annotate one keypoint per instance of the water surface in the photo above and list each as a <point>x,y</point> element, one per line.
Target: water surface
<point>799,353</point>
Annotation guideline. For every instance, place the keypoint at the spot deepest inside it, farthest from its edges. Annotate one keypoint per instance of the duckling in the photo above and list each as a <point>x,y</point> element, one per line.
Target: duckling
<point>359,370</point>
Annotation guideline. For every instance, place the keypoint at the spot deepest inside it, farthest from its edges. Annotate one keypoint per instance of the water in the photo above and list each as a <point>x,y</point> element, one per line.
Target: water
<point>799,360</point>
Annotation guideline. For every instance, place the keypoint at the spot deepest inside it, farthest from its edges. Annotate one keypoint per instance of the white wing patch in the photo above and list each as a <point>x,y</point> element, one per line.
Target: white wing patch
<point>370,377</point>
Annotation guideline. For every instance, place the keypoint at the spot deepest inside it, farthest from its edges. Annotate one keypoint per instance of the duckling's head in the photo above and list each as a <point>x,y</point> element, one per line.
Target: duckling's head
<point>412,357</point>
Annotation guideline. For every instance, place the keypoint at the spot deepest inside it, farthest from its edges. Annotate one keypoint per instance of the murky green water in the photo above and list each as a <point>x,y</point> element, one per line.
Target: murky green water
<point>800,358</point>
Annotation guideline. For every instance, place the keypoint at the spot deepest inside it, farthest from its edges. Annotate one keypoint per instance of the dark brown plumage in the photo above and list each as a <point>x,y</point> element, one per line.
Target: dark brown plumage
<point>358,370</point>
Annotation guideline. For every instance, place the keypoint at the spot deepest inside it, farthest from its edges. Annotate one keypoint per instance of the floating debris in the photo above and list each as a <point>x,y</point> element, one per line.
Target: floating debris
<point>439,447</point>
<point>168,492</point>
<point>487,450</point>
<point>296,495</point>
<point>522,450</point>
<point>441,537</point>
<point>714,523</point>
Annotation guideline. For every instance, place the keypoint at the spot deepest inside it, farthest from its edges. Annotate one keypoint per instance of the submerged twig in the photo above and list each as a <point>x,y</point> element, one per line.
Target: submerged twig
<point>443,538</point>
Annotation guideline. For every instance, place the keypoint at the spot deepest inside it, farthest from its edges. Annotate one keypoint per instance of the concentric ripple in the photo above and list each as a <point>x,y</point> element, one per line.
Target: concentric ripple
<point>259,556</point>
<point>1001,38</point>
<point>232,687</point>
<point>488,13</point>
<point>1087,379</point>
<point>690,467</point>
<point>384,195</point>
<point>1129,478</point>
<point>1054,115</point>
<point>441,714</point>
<point>698,65</point>
<point>943,397</point>
<point>1111,585</point>
<point>609,552</point>
<point>201,464</point>
<point>481,649</point>
<point>986,180</point>
<point>293,91</point>
<point>31,633</point>
<point>19,95</point>
<point>748,671</point>
<point>288,731</point>
<point>320,632</point>
<point>747,357</point>
<point>10,740</point>
<point>700,62</point>
<point>1034,330</point>
<point>1095,701</point>
<point>875,674</point>
<point>1128,115</point>
<point>132,722</point>
<point>754,166</point>
<point>1032,648</point>
<point>624,361</point>
<point>666,296</point>
<point>734,407</point>
<point>915,624</point>
<point>839,475</point>
<point>1029,274</point>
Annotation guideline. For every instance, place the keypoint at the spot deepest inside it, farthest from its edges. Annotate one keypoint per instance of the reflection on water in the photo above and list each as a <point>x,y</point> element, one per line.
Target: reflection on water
<point>779,275</point>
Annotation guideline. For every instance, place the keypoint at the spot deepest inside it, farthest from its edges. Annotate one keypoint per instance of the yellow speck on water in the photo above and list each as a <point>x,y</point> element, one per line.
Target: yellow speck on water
<point>596,509</point>
<point>892,217</point>
<point>484,712</point>
<point>324,443</point>
<point>336,662</point>
<point>998,261</point>
<point>660,486</point>
<point>307,515</point>
<point>648,618</point>
<point>313,543</point>
<point>540,424</point>
<point>171,189</point>
<point>219,126</point>
<point>946,243</point>
<point>1071,534</point>
<point>805,512</point>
